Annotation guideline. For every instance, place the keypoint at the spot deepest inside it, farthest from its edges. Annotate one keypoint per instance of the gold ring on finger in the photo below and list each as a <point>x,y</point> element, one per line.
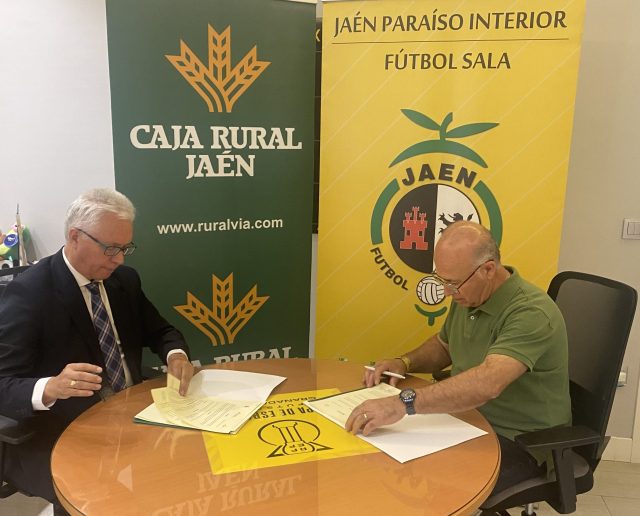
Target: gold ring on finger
<point>365,415</point>
<point>72,383</point>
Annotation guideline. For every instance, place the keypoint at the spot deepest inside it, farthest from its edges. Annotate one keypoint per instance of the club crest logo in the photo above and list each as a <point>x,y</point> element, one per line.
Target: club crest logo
<point>223,321</point>
<point>218,84</point>
<point>437,183</point>
<point>291,437</point>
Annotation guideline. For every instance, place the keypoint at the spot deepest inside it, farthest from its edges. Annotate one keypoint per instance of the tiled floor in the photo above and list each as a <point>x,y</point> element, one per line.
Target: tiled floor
<point>19,505</point>
<point>616,493</point>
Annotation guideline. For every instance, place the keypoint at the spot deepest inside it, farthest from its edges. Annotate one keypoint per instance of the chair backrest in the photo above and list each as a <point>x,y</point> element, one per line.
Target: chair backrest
<point>598,313</point>
<point>12,271</point>
<point>7,274</point>
<point>11,431</point>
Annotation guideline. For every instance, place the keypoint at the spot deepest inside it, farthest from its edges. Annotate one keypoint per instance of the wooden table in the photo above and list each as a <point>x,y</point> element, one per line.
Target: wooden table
<point>104,464</point>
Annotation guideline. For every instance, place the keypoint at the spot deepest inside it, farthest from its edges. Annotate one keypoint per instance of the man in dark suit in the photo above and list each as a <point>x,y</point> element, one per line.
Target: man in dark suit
<point>72,328</point>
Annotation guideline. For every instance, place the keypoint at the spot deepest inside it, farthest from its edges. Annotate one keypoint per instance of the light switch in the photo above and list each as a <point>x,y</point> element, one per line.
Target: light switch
<point>631,229</point>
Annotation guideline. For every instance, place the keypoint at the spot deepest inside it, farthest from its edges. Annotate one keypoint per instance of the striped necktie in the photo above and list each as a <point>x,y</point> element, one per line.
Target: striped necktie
<point>107,339</point>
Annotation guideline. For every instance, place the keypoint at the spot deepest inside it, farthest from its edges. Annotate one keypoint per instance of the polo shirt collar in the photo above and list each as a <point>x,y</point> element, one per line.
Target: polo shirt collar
<point>503,295</point>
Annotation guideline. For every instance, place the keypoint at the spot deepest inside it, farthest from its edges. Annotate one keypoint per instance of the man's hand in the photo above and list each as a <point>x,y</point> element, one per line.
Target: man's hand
<point>371,414</point>
<point>393,365</point>
<point>179,366</point>
<point>80,380</point>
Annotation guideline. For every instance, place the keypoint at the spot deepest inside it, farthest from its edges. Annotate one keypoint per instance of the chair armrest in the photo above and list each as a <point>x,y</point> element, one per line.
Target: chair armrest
<point>557,438</point>
<point>11,432</point>
<point>560,441</point>
<point>439,376</point>
<point>14,432</point>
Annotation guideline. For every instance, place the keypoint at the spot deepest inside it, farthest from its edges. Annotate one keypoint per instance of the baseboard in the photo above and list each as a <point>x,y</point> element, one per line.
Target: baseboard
<point>618,449</point>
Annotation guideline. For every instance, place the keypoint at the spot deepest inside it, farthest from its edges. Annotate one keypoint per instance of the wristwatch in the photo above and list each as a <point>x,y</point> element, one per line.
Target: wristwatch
<point>408,396</point>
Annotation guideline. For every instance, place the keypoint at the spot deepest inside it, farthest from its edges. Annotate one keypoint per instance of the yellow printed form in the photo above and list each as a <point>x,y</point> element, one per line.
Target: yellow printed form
<point>284,431</point>
<point>338,407</point>
<point>210,414</point>
<point>172,382</point>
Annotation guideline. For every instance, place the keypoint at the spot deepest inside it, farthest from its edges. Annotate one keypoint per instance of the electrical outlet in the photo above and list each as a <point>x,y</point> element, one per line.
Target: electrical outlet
<point>622,378</point>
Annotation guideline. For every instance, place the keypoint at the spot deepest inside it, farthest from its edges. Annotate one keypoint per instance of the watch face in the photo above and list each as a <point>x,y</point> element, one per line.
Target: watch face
<point>407,395</point>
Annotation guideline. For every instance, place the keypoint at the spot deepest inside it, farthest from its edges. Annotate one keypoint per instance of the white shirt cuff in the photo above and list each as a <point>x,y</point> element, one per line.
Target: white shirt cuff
<point>38,392</point>
<point>174,351</point>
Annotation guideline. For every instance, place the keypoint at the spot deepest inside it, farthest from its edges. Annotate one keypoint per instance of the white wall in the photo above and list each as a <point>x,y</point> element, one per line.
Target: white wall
<point>55,134</point>
<point>604,183</point>
<point>55,112</point>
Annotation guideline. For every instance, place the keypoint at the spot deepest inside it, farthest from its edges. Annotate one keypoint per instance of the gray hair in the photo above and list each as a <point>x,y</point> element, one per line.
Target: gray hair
<point>87,209</point>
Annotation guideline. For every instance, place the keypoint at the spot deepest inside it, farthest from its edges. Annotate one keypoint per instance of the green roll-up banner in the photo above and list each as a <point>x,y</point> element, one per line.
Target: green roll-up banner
<point>212,107</point>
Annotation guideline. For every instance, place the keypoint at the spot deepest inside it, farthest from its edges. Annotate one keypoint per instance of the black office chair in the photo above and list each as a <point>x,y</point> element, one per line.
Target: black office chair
<point>8,273</point>
<point>11,432</point>
<point>598,313</point>
<point>439,376</point>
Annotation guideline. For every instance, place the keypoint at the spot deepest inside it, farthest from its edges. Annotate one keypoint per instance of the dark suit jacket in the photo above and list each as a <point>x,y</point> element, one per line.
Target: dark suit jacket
<point>45,325</point>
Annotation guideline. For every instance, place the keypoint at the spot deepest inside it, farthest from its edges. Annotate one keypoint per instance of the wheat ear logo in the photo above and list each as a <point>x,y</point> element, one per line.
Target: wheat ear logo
<point>219,85</point>
<point>224,320</point>
<point>442,144</point>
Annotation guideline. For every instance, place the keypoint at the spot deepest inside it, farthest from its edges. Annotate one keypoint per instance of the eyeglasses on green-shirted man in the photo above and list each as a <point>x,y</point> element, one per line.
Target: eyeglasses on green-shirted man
<point>455,287</point>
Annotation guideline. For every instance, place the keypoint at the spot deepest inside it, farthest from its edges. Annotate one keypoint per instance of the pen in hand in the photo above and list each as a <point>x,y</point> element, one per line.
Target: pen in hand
<point>387,373</point>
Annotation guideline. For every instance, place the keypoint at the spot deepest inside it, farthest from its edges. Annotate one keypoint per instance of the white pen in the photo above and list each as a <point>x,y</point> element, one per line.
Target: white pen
<point>388,373</point>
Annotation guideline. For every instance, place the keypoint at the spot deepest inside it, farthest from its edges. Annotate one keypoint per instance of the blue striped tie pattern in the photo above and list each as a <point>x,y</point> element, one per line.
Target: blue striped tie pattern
<point>107,339</point>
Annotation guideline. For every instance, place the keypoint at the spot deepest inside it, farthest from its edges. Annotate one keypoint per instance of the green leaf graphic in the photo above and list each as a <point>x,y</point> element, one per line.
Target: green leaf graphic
<point>442,146</point>
<point>431,316</point>
<point>469,129</point>
<point>445,123</point>
<point>420,119</point>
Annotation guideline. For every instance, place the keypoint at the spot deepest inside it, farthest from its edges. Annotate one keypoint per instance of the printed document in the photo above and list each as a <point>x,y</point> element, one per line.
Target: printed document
<point>219,400</point>
<point>411,437</point>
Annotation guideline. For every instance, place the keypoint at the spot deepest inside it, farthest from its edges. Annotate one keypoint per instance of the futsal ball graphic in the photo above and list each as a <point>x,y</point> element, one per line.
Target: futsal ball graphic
<point>430,291</point>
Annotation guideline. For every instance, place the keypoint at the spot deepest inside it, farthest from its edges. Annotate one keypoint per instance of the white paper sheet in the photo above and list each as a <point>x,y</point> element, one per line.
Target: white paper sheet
<point>234,385</point>
<point>421,434</point>
<point>411,437</point>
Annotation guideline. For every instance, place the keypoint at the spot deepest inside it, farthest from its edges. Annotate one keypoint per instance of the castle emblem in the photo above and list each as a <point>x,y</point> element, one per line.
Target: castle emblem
<point>414,230</point>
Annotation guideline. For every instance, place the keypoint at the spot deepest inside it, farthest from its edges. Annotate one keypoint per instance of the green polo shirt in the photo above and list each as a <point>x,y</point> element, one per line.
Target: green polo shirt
<point>521,321</point>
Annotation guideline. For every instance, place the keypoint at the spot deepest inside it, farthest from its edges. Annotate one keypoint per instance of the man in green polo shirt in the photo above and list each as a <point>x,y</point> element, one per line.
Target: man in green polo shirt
<point>506,342</point>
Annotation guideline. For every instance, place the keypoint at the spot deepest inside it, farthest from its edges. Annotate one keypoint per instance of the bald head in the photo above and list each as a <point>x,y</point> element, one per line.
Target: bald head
<point>467,260</point>
<point>472,240</point>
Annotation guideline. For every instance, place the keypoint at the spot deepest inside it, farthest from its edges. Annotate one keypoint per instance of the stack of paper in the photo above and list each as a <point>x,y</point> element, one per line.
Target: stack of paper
<point>219,400</point>
<point>411,437</point>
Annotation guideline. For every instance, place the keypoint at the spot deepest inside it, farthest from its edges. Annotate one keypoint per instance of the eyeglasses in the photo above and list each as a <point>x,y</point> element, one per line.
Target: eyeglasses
<point>453,287</point>
<point>112,250</point>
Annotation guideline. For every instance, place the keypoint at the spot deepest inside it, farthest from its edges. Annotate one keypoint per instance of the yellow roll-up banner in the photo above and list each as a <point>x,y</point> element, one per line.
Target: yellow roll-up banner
<point>432,112</point>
